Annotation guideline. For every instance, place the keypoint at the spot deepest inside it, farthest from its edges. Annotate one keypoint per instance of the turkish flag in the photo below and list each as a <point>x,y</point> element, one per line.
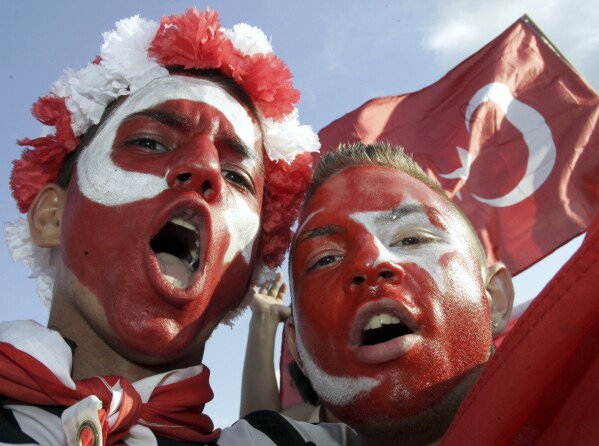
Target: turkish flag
<point>510,134</point>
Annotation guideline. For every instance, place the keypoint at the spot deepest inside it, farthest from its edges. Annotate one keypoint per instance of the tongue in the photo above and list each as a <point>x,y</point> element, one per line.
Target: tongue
<point>174,267</point>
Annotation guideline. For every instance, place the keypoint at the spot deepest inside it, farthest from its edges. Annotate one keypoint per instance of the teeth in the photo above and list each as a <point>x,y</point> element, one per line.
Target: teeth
<point>378,320</point>
<point>173,281</point>
<point>184,223</point>
<point>385,318</point>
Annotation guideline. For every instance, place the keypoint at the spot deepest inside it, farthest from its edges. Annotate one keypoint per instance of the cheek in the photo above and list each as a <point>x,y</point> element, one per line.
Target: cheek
<point>242,220</point>
<point>90,236</point>
<point>464,309</point>
<point>106,182</point>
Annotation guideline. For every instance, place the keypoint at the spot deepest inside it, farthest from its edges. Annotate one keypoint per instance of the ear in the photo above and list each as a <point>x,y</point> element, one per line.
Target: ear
<point>290,340</point>
<point>45,216</point>
<point>500,292</point>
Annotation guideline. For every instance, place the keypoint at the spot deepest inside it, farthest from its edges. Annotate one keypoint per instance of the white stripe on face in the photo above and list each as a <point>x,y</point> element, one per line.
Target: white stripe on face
<point>337,390</point>
<point>385,230</point>
<point>243,224</point>
<point>105,183</point>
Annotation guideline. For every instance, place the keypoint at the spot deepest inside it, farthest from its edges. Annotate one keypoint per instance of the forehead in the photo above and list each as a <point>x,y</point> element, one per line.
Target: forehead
<point>176,87</point>
<point>371,188</point>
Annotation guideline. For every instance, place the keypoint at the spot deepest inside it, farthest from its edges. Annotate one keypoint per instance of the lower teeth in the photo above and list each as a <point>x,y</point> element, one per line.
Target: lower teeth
<point>174,281</point>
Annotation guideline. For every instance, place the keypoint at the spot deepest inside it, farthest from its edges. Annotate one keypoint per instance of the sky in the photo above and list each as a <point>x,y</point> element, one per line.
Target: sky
<point>341,52</point>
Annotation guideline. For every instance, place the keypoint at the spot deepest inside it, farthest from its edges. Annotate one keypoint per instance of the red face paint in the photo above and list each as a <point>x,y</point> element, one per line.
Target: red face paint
<point>123,254</point>
<point>378,247</point>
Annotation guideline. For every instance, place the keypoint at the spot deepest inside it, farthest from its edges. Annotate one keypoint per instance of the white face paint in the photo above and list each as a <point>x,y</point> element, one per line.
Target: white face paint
<point>307,220</point>
<point>243,225</point>
<point>336,390</point>
<point>103,182</point>
<point>387,232</point>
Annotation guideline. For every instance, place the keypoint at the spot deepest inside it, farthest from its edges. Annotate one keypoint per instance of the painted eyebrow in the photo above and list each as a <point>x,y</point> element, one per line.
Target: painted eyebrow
<point>321,231</point>
<point>404,211</point>
<point>236,144</point>
<point>167,118</point>
<point>432,214</point>
<point>179,121</point>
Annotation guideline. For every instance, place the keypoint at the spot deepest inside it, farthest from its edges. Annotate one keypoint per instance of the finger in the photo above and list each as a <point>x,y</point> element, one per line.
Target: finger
<point>274,289</point>
<point>264,288</point>
<point>282,291</point>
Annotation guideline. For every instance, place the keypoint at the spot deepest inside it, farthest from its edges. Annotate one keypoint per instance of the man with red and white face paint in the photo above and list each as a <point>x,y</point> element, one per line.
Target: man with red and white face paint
<point>394,307</point>
<point>148,211</point>
<point>161,221</point>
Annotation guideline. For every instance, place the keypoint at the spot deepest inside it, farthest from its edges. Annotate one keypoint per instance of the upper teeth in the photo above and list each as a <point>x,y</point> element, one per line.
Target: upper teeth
<point>378,320</point>
<point>181,222</point>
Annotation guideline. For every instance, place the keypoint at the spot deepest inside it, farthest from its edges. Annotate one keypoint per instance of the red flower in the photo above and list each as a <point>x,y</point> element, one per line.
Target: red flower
<point>268,82</point>
<point>286,185</point>
<point>41,164</point>
<point>192,40</point>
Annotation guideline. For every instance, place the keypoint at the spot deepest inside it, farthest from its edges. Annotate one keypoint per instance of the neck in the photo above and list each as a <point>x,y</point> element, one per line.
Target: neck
<point>92,356</point>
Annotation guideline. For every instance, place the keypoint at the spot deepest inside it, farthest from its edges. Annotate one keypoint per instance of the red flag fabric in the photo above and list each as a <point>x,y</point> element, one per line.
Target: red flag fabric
<point>541,386</point>
<point>510,133</point>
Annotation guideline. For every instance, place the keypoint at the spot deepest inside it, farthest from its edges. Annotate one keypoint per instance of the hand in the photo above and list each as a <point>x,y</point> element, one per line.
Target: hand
<point>267,301</point>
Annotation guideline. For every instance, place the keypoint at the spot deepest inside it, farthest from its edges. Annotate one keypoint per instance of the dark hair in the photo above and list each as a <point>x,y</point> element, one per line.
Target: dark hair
<point>302,384</point>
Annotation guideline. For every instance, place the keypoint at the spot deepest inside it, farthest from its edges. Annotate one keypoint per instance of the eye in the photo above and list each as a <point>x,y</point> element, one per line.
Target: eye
<point>414,240</point>
<point>149,145</point>
<point>324,261</point>
<point>409,241</point>
<point>238,179</point>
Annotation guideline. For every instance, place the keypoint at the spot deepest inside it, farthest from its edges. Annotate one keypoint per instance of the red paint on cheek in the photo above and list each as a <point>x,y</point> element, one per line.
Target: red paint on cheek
<point>107,248</point>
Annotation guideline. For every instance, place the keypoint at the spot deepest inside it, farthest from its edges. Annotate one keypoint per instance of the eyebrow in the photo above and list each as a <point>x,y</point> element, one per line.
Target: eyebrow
<point>432,214</point>
<point>179,121</point>
<point>321,231</point>
<point>406,210</point>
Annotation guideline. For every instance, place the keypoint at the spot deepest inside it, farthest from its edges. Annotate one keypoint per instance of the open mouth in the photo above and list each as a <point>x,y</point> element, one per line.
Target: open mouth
<point>382,328</point>
<point>177,249</point>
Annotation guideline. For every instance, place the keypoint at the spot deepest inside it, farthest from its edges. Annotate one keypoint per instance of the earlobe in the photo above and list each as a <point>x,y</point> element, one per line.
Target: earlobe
<point>290,340</point>
<point>45,216</point>
<point>500,292</point>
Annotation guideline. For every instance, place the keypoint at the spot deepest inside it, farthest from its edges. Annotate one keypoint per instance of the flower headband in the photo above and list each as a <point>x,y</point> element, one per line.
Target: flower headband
<point>137,52</point>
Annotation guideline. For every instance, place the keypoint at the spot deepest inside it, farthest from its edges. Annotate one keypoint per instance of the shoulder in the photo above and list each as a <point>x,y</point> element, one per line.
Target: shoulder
<point>272,429</point>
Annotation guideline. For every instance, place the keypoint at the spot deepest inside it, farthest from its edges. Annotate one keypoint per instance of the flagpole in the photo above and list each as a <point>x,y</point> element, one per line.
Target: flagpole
<point>535,28</point>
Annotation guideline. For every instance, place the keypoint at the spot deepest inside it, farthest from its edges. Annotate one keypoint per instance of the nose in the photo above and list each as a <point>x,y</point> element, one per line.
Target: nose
<point>367,270</point>
<point>196,168</point>
<point>372,275</point>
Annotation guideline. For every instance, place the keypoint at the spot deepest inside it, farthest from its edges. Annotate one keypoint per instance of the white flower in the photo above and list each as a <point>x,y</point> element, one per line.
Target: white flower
<point>22,249</point>
<point>248,39</point>
<point>287,138</point>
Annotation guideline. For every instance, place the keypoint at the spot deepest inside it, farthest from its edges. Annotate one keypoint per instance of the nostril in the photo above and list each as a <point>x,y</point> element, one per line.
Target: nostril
<point>207,190</point>
<point>183,178</point>
<point>358,280</point>
<point>386,274</point>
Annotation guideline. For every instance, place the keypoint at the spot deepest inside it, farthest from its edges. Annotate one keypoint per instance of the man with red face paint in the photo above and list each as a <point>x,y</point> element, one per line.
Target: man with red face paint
<point>394,308</point>
<point>148,211</point>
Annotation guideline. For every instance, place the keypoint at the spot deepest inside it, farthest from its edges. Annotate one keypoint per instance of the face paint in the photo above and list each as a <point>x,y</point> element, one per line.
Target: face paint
<point>162,259</point>
<point>336,390</point>
<point>387,288</point>
<point>104,182</point>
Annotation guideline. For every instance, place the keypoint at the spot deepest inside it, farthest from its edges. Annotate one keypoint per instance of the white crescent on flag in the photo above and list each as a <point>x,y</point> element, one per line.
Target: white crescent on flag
<point>536,134</point>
